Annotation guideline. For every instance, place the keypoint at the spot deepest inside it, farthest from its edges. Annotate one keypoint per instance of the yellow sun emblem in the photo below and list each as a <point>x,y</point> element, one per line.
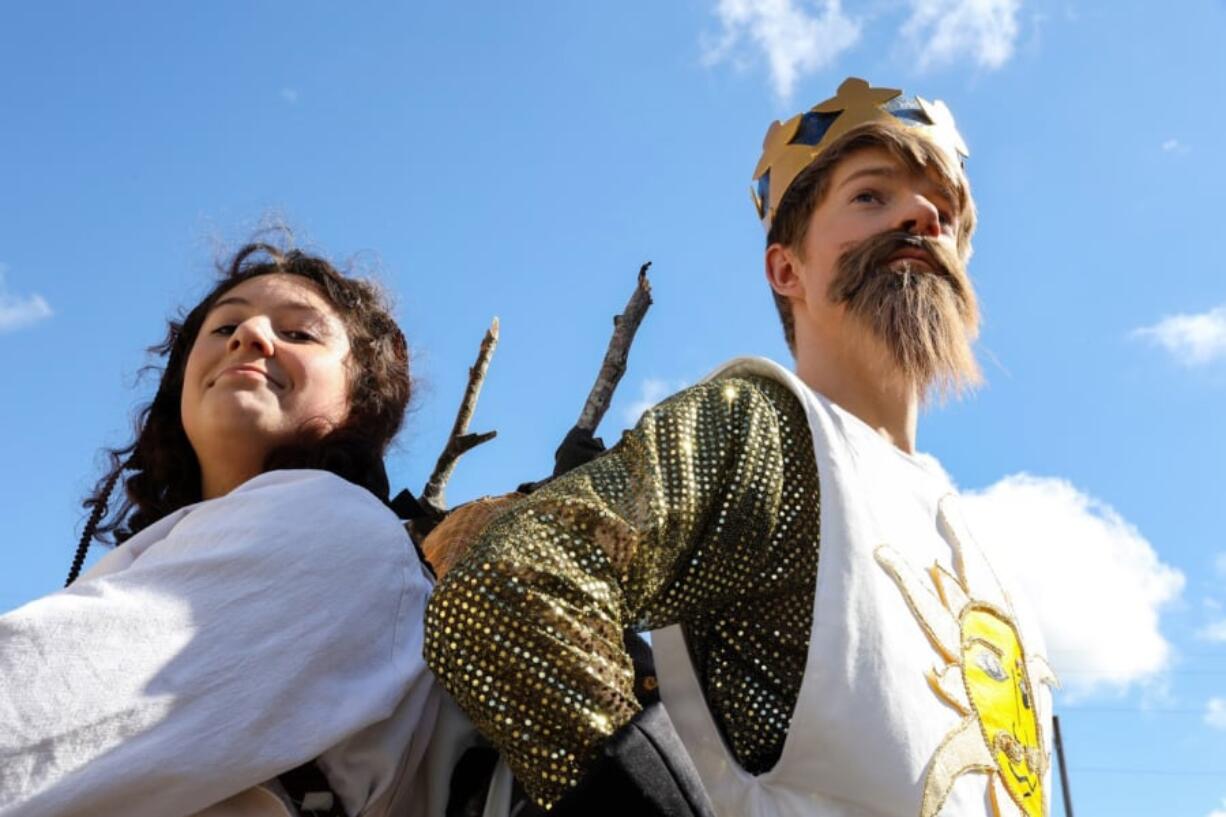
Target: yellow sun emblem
<point>987,676</point>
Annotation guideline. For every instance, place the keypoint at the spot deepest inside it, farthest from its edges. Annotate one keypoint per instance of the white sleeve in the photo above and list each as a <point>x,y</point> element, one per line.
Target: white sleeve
<point>267,626</point>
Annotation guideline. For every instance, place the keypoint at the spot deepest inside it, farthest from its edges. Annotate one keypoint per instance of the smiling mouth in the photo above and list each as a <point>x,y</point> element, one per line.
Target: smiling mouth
<point>248,371</point>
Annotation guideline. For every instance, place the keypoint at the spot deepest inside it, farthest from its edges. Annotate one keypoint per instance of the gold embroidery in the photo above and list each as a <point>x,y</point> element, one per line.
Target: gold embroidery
<point>948,684</point>
<point>988,676</point>
<point>942,630</point>
<point>961,751</point>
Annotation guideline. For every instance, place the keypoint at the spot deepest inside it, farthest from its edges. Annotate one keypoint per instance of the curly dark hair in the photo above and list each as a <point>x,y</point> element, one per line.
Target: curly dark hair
<point>164,472</point>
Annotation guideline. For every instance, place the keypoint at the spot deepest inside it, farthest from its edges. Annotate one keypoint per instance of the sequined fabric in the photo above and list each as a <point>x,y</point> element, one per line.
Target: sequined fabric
<point>706,514</point>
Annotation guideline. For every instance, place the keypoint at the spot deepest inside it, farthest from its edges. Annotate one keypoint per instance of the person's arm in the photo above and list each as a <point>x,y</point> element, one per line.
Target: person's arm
<point>267,626</point>
<point>679,518</point>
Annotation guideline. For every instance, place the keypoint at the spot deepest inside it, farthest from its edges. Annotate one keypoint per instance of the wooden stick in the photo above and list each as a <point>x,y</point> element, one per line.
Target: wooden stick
<point>460,441</point>
<point>614,365</point>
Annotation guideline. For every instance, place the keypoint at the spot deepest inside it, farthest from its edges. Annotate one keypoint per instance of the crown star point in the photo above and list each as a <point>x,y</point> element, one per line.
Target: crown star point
<point>785,168</point>
<point>856,102</point>
<point>856,94</point>
<point>778,136</point>
<point>943,124</point>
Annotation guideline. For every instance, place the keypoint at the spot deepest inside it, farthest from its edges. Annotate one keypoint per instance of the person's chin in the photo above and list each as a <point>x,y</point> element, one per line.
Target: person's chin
<point>245,410</point>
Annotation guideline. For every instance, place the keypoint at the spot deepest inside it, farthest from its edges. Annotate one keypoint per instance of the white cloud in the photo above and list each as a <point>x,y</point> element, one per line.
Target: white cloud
<point>1193,339</point>
<point>1173,145</point>
<point>798,37</point>
<point>1218,812</point>
<point>1219,564</point>
<point>941,31</point>
<point>1095,583</point>
<point>1215,713</point>
<point>652,391</point>
<point>290,95</point>
<point>20,311</point>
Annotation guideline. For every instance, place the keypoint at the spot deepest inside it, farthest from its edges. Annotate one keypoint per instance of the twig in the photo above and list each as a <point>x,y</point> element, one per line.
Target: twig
<point>461,441</point>
<point>614,365</point>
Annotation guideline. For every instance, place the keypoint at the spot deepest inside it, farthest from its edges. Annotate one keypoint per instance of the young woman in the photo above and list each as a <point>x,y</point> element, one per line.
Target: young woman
<point>263,609</point>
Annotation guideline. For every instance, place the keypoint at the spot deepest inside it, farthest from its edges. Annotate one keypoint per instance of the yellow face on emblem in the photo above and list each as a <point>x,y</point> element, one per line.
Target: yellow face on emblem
<point>999,689</point>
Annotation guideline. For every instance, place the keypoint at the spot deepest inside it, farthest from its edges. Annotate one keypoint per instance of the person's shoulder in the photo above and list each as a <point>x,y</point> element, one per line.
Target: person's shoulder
<point>772,391</point>
<point>306,505</point>
<point>294,483</point>
<point>309,487</point>
<point>735,397</point>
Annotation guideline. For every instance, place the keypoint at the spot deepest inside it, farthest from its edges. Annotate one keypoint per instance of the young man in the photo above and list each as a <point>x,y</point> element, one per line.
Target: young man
<point>836,642</point>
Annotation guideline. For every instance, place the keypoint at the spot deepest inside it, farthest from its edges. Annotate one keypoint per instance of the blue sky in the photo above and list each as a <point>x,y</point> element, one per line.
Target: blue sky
<point>522,160</point>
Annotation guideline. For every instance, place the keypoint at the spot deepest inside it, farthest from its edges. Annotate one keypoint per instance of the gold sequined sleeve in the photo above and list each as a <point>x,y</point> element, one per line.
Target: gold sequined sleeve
<point>676,520</point>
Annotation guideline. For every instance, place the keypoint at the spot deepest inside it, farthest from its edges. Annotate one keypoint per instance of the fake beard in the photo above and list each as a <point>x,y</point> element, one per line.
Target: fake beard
<point>926,319</point>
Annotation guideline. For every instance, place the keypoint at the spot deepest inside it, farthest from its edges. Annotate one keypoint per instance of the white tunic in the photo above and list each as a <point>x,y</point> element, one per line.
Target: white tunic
<point>912,703</point>
<point>228,642</point>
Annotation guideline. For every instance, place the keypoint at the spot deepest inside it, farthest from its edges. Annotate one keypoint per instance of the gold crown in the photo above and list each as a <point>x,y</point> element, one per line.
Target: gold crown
<point>791,146</point>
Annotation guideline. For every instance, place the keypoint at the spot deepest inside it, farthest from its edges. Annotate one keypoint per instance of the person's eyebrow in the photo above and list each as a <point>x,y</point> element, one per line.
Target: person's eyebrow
<point>881,171</point>
<point>294,306</point>
<point>232,299</point>
<point>299,306</point>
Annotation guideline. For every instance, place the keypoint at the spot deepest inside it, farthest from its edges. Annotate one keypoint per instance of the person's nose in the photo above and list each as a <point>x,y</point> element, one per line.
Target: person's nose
<point>253,333</point>
<point>920,217</point>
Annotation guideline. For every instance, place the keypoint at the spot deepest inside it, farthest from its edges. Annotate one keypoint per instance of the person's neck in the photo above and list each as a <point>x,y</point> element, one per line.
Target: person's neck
<point>852,370</point>
<point>220,474</point>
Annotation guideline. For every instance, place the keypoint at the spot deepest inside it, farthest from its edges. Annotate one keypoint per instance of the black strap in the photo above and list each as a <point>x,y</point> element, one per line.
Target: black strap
<point>311,793</point>
<point>644,770</point>
<point>406,506</point>
<point>470,781</point>
<point>416,519</point>
<point>646,685</point>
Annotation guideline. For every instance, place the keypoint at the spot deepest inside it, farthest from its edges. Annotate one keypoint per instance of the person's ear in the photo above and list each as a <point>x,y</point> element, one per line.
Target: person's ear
<point>783,272</point>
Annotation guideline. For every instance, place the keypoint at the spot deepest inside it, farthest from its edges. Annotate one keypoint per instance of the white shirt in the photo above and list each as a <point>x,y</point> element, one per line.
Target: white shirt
<point>920,665</point>
<point>228,642</point>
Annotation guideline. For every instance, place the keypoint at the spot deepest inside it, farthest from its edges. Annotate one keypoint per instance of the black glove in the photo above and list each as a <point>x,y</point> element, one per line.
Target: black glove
<point>579,448</point>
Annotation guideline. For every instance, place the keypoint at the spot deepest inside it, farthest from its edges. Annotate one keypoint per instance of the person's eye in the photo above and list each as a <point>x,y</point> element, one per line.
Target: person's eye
<point>868,197</point>
<point>298,335</point>
<point>225,329</point>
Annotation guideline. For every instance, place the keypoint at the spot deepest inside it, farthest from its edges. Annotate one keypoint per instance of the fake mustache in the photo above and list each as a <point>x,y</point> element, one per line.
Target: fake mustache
<point>871,257</point>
